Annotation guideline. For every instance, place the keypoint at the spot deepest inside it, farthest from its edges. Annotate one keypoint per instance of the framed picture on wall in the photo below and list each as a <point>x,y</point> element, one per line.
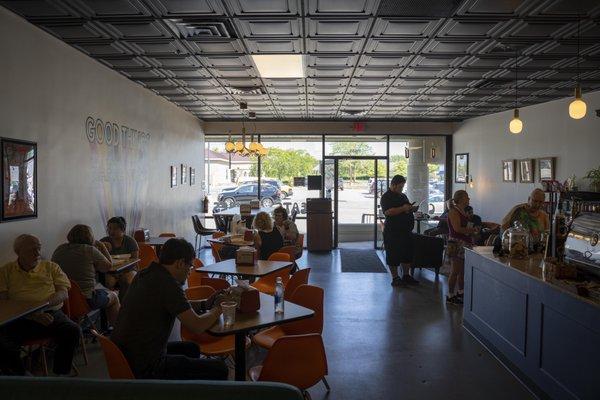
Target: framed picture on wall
<point>508,170</point>
<point>19,179</point>
<point>546,168</point>
<point>526,171</point>
<point>461,167</point>
<point>173,176</point>
<point>192,176</point>
<point>183,174</point>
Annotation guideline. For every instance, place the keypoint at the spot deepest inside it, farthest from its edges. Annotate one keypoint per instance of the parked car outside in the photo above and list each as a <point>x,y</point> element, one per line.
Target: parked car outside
<point>269,195</point>
<point>436,204</point>
<point>382,185</point>
<point>286,190</point>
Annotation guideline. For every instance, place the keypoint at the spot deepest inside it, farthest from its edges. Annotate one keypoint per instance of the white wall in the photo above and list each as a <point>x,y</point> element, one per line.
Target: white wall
<point>48,91</point>
<point>548,131</point>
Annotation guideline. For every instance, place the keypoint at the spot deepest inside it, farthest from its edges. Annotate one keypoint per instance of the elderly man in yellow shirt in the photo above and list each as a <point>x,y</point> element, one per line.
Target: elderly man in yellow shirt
<point>29,278</point>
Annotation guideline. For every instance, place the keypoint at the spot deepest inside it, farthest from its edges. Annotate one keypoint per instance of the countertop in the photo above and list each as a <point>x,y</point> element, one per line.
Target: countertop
<point>532,267</point>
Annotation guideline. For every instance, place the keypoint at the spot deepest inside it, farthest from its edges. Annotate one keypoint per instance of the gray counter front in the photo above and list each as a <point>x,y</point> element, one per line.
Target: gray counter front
<point>547,335</point>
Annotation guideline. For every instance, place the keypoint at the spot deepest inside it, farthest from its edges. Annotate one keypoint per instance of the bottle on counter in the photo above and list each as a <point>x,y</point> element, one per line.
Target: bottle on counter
<point>279,295</point>
<point>205,205</point>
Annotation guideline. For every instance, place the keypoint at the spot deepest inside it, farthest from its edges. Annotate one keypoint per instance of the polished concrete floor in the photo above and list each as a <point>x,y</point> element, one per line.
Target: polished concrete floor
<point>392,343</point>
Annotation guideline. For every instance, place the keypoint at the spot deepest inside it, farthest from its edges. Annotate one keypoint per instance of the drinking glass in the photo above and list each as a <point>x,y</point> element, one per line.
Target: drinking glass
<point>228,308</point>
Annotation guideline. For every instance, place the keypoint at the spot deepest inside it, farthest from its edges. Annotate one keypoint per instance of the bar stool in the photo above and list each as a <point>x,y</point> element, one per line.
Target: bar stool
<point>200,231</point>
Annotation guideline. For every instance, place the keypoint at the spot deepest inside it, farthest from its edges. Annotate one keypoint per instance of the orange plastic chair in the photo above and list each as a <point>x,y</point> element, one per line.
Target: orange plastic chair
<point>280,257</point>
<point>300,277</point>
<point>195,278</point>
<point>266,284</point>
<point>217,346</point>
<point>298,360</point>
<point>215,248</point>
<point>306,296</point>
<point>218,234</point>
<point>167,234</point>
<point>118,367</point>
<point>78,311</point>
<point>147,256</point>
<point>215,283</point>
<point>290,250</point>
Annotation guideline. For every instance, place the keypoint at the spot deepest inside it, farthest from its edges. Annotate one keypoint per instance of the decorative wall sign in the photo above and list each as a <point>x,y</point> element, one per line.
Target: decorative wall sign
<point>508,171</point>
<point>526,174</point>
<point>184,172</point>
<point>546,168</point>
<point>192,176</point>
<point>19,183</point>
<point>173,176</point>
<point>461,167</point>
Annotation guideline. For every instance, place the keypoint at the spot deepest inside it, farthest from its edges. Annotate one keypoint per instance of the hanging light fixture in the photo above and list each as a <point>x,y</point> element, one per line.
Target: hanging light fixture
<point>577,108</point>
<point>229,145</point>
<point>516,125</point>
<point>433,152</point>
<point>471,183</point>
<point>406,152</point>
<point>262,150</point>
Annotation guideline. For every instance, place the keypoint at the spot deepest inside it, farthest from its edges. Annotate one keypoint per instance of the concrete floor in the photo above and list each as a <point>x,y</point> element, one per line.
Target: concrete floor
<point>391,343</point>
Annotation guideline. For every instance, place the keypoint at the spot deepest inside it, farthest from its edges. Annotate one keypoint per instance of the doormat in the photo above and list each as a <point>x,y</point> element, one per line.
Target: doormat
<point>361,261</point>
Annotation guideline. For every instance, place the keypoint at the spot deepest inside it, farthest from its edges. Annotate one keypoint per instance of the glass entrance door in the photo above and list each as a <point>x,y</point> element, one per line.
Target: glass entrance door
<point>355,185</point>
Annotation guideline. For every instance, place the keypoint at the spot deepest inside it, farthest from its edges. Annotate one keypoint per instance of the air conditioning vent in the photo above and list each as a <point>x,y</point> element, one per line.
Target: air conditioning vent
<point>241,90</point>
<point>193,29</point>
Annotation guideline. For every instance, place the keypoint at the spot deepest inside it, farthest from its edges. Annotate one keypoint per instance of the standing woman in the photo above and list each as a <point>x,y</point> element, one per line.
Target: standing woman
<point>117,242</point>
<point>460,236</point>
<point>268,239</point>
<point>397,231</point>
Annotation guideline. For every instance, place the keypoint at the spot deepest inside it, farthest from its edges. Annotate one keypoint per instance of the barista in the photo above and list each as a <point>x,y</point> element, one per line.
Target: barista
<point>530,215</point>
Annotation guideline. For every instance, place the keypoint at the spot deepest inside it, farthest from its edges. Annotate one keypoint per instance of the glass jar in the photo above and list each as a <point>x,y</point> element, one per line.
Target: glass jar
<point>518,241</point>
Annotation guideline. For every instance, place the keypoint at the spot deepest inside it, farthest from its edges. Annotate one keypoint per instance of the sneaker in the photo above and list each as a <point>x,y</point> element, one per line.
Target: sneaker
<point>397,281</point>
<point>409,280</point>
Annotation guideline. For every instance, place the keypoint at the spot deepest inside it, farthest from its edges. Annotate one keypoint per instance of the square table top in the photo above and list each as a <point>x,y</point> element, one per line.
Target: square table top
<point>156,241</point>
<point>11,310</point>
<point>229,267</point>
<point>262,318</point>
<point>120,265</point>
<point>230,212</point>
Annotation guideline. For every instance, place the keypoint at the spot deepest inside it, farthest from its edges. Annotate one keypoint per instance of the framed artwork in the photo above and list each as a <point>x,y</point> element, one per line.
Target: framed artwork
<point>461,168</point>
<point>508,170</point>
<point>546,168</point>
<point>19,179</point>
<point>526,171</point>
<point>192,176</point>
<point>183,174</point>
<point>173,176</point>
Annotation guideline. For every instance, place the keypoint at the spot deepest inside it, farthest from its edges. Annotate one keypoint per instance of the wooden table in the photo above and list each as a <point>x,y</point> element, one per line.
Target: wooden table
<point>234,243</point>
<point>263,318</point>
<point>11,310</point>
<point>229,267</point>
<point>122,265</point>
<point>230,212</point>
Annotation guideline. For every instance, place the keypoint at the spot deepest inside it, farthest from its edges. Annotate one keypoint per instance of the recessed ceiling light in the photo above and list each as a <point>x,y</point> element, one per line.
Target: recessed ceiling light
<point>279,65</point>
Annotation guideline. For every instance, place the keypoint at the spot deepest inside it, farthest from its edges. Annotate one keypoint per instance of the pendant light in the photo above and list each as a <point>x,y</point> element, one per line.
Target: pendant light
<point>406,152</point>
<point>229,145</point>
<point>577,108</point>
<point>516,125</point>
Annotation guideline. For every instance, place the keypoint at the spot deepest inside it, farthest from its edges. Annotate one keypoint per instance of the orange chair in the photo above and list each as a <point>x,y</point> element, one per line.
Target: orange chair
<point>218,234</point>
<point>215,283</point>
<point>195,278</point>
<point>118,367</point>
<point>215,249</point>
<point>297,360</point>
<point>167,234</point>
<point>79,311</point>
<point>278,256</point>
<point>297,279</point>
<point>306,296</point>
<point>291,250</point>
<point>266,284</point>
<point>42,344</point>
<point>147,256</point>
<point>212,346</point>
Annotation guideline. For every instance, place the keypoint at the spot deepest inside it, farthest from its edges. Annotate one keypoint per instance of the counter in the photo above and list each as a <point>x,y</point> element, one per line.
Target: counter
<point>543,331</point>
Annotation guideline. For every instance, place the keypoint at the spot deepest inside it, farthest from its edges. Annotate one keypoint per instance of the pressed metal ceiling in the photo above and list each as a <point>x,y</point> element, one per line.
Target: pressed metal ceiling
<point>366,59</point>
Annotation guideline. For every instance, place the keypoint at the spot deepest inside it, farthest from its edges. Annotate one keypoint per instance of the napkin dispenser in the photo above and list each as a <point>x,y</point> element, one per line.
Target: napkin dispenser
<point>245,255</point>
<point>245,210</point>
<point>254,204</point>
<point>141,235</point>
<point>248,298</point>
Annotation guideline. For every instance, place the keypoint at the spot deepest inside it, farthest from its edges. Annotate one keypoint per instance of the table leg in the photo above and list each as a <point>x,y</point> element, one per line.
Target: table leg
<point>419,227</point>
<point>240,356</point>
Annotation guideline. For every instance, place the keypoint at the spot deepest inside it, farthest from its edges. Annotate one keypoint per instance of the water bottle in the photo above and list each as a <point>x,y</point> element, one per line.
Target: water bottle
<point>279,295</point>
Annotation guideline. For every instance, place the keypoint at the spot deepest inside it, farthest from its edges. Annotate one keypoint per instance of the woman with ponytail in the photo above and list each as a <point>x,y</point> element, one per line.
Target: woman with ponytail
<point>461,236</point>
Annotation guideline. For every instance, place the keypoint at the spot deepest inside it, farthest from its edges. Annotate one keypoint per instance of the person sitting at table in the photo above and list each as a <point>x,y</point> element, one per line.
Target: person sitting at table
<point>80,258</point>
<point>530,215</point>
<point>268,239</point>
<point>485,229</point>
<point>286,227</point>
<point>31,279</point>
<point>118,243</point>
<point>155,298</point>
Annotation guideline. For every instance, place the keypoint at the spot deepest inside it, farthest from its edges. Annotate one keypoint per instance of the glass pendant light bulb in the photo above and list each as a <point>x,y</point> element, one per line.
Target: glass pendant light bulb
<point>239,146</point>
<point>406,152</point>
<point>577,108</point>
<point>516,125</point>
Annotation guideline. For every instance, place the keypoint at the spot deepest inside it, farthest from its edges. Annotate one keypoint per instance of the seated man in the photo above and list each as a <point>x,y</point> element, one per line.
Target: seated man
<point>155,298</point>
<point>485,229</point>
<point>530,215</point>
<point>31,279</point>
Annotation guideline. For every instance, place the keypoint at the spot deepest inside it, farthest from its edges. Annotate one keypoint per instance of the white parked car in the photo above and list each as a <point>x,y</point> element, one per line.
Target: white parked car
<point>436,204</point>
